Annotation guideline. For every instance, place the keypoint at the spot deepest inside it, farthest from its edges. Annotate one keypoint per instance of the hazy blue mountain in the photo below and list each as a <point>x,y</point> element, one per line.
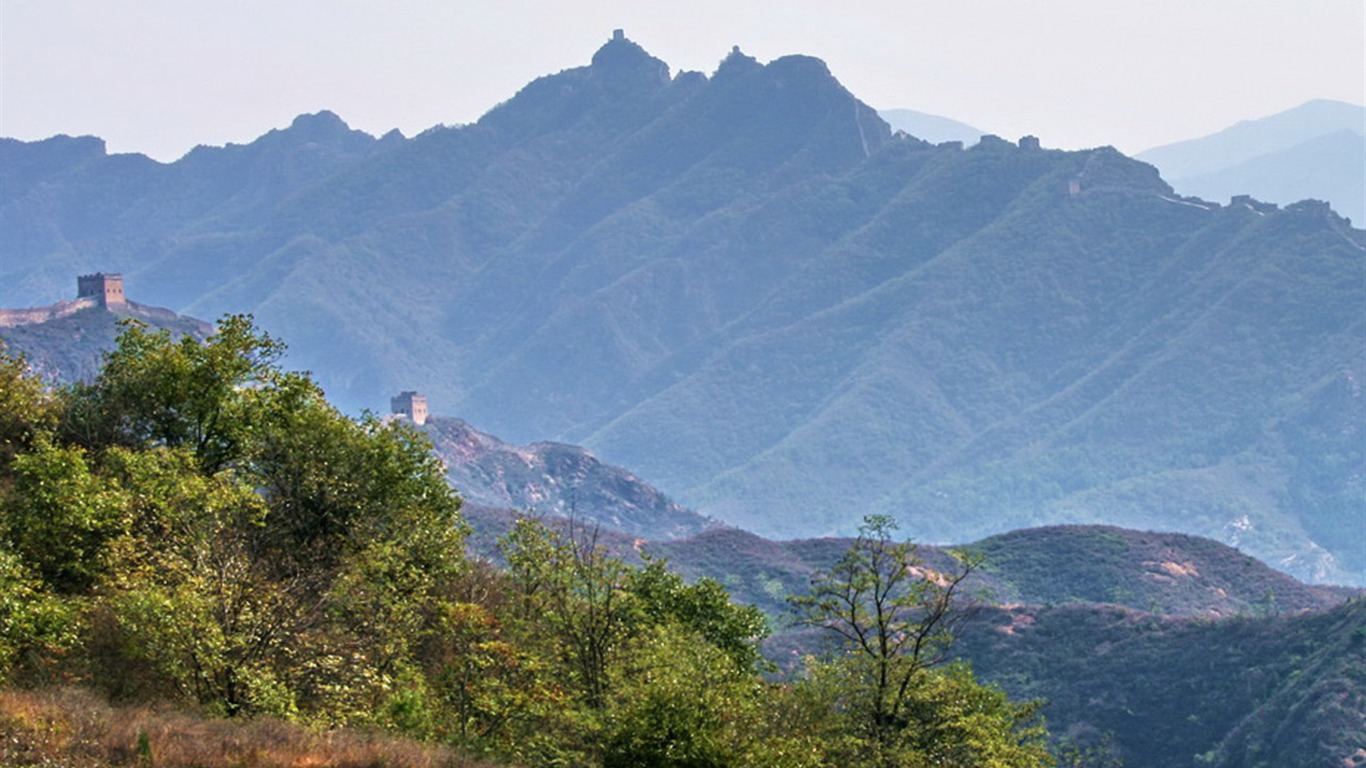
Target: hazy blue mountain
<point>68,207</point>
<point>1253,138</point>
<point>1330,167</point>
<point>1314,151</point>
<point>931,128</point>
<point>746,289</point>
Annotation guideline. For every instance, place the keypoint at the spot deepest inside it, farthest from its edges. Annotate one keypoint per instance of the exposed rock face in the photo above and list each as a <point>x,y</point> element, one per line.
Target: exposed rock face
<point>557,480</point>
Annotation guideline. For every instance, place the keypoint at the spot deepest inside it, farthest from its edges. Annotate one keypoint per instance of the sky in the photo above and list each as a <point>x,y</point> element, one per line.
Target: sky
<point>161,76</point>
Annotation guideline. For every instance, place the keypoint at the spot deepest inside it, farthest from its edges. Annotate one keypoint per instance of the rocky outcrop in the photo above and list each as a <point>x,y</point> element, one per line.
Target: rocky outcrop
<point>557,480</point>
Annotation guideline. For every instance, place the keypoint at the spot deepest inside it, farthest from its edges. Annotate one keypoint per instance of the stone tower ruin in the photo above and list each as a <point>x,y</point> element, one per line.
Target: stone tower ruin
<point>410,405</point>
<point>106,290</point>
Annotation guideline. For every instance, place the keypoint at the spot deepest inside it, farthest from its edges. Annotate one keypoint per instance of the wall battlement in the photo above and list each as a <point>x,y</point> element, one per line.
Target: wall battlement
<point>12,317</point>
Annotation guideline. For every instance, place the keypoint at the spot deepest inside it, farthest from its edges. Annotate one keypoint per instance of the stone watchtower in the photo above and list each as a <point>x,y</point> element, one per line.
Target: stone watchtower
<point>410,404</point>
<point>106,290</point>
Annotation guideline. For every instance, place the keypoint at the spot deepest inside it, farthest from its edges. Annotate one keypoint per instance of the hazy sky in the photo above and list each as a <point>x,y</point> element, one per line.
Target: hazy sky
<point>160,76</point>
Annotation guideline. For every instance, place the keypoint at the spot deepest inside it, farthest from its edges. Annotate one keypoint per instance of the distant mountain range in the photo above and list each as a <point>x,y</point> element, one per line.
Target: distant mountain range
<point>747,289</point>
<point>1163,573</point>
<point>931,128</point>
<point>1316,150</point>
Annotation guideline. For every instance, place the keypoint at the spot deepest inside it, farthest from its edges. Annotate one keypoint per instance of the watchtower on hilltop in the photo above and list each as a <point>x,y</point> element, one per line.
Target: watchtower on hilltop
<point>106,290</point>
<point>410,405</point>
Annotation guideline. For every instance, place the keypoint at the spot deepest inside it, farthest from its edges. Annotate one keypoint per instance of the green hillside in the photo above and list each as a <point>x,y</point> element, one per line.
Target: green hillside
<point>1246,692</point>
<point>1159,650</point>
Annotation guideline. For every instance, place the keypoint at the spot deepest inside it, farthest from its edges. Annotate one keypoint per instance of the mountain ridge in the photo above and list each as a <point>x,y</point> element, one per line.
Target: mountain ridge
<point>1162,573</point>
<point>932,128</point>
<point>1314,151</point>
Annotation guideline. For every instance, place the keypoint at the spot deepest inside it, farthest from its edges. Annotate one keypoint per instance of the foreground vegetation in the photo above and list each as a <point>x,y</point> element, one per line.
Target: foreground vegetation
<point>196,527</point>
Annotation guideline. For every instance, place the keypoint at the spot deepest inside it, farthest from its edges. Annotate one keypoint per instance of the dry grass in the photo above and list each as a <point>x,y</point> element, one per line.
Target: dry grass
<point>72,728</point>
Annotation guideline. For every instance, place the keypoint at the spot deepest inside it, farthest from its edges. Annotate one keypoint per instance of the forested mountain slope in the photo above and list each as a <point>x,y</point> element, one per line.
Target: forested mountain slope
<point>1251,691</point>
<point>1154,648</point>
<point>1158,648</point>
<point>745,289</point>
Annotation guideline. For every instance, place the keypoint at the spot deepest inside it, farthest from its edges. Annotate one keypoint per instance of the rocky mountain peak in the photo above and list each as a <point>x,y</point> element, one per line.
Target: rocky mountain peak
<point>319,125</point>
<point>326,129</point>
<point>736,63</point>
<point>622,60</point>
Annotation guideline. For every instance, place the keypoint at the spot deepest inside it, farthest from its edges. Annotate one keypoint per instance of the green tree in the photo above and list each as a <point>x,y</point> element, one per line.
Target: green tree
<point>577,591</point>
<point>682,703</point>
<point>186,595</point>
<point>36,625</point>
<point>897,617</point>
<point>498,694</point>
<point>704,608</point>
<point>658,671</point>
<point>155,390</point>
<point>894,613</point>
<point>60,514</point>
<point>955,722</point>
<point>27,409</point>
<point>254,547</point>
